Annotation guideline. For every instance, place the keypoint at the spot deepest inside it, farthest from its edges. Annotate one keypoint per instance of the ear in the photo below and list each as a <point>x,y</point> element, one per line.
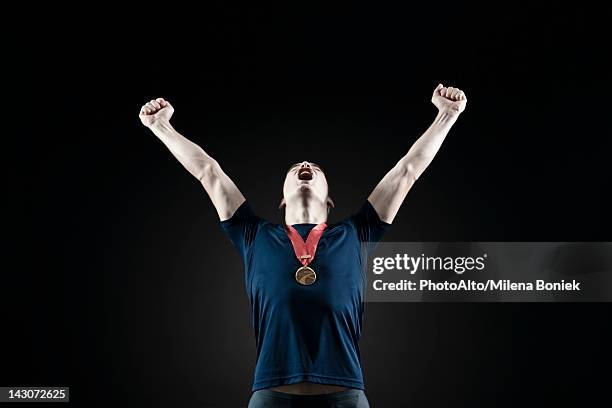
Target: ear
<point>330,204</point>
<point>282,204</point>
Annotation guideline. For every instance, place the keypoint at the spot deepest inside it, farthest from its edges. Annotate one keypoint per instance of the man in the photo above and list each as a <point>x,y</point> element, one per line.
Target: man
<point>305,279</point>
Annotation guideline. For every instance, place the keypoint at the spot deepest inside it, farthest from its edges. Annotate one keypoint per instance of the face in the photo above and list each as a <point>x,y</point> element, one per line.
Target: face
<point>305,177</point>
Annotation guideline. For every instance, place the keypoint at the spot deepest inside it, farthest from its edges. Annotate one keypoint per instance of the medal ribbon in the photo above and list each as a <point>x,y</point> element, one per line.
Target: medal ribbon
<point>305,251</point>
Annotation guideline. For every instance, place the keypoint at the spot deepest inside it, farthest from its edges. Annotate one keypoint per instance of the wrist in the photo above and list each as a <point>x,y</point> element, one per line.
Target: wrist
<point>447,115</point>
<point>450,111</point>
<point>160,125</point>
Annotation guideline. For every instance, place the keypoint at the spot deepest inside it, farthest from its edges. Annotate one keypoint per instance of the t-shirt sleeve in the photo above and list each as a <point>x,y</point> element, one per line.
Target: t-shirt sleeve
<point>370,228</point>
<point>242,228</point>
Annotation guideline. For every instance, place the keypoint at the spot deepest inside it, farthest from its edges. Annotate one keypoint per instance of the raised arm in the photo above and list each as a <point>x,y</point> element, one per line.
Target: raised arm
<point>222,191</point>
<point>391,191</point>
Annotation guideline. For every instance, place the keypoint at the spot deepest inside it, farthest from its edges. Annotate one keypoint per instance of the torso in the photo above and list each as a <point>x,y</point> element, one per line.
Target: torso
<point>308,388</point>
<point>306,335</point>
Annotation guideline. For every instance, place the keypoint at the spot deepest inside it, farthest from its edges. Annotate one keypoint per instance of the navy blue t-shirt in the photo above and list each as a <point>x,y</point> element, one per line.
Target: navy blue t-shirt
<point>306,333</point>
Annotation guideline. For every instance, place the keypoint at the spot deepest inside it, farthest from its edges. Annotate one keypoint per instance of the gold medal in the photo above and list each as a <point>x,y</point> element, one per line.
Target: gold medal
<point>305,252</point>
<point>305,275</point>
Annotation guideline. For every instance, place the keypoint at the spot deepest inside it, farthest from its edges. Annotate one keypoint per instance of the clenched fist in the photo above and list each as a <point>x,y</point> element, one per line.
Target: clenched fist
<point>155,111</point>
<point>449,99</point>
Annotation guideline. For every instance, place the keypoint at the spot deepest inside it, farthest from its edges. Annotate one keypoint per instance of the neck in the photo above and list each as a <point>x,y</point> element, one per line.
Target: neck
<point>305,214</point>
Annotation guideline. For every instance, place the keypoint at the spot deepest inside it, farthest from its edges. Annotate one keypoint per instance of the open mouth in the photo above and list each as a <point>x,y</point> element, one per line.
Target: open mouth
<point>305,174</point>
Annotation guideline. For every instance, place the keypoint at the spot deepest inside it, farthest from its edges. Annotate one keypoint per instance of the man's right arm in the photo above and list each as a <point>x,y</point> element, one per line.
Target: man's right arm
<point>222,191</point>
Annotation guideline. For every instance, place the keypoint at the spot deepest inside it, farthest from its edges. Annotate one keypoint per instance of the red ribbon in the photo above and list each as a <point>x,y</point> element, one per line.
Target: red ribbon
<point>305,251</point>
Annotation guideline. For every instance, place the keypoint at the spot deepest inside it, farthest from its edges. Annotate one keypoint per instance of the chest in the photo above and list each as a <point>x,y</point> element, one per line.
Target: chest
<point>337,263</point>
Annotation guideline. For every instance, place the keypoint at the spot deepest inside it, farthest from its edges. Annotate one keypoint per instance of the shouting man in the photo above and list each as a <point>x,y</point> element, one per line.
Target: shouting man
<point>305,279</point>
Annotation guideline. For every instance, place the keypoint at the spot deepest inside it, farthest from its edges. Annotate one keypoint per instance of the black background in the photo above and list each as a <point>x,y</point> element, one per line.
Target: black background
<point>123,286</point>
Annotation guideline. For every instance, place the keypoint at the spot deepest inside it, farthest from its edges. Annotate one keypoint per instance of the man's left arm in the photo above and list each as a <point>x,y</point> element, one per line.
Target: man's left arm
<point>391,191</point>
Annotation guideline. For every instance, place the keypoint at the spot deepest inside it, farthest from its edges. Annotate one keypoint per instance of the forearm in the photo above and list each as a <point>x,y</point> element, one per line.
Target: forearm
<point>189,154</point>
<point>426,147</point>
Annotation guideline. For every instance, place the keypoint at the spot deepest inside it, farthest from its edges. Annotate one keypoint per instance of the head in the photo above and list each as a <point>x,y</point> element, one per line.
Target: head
<point>306,186</point>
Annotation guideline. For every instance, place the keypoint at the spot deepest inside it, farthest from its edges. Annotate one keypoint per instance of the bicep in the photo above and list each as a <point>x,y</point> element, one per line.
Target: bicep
<point>388,196</point>
<point>223,192</point>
